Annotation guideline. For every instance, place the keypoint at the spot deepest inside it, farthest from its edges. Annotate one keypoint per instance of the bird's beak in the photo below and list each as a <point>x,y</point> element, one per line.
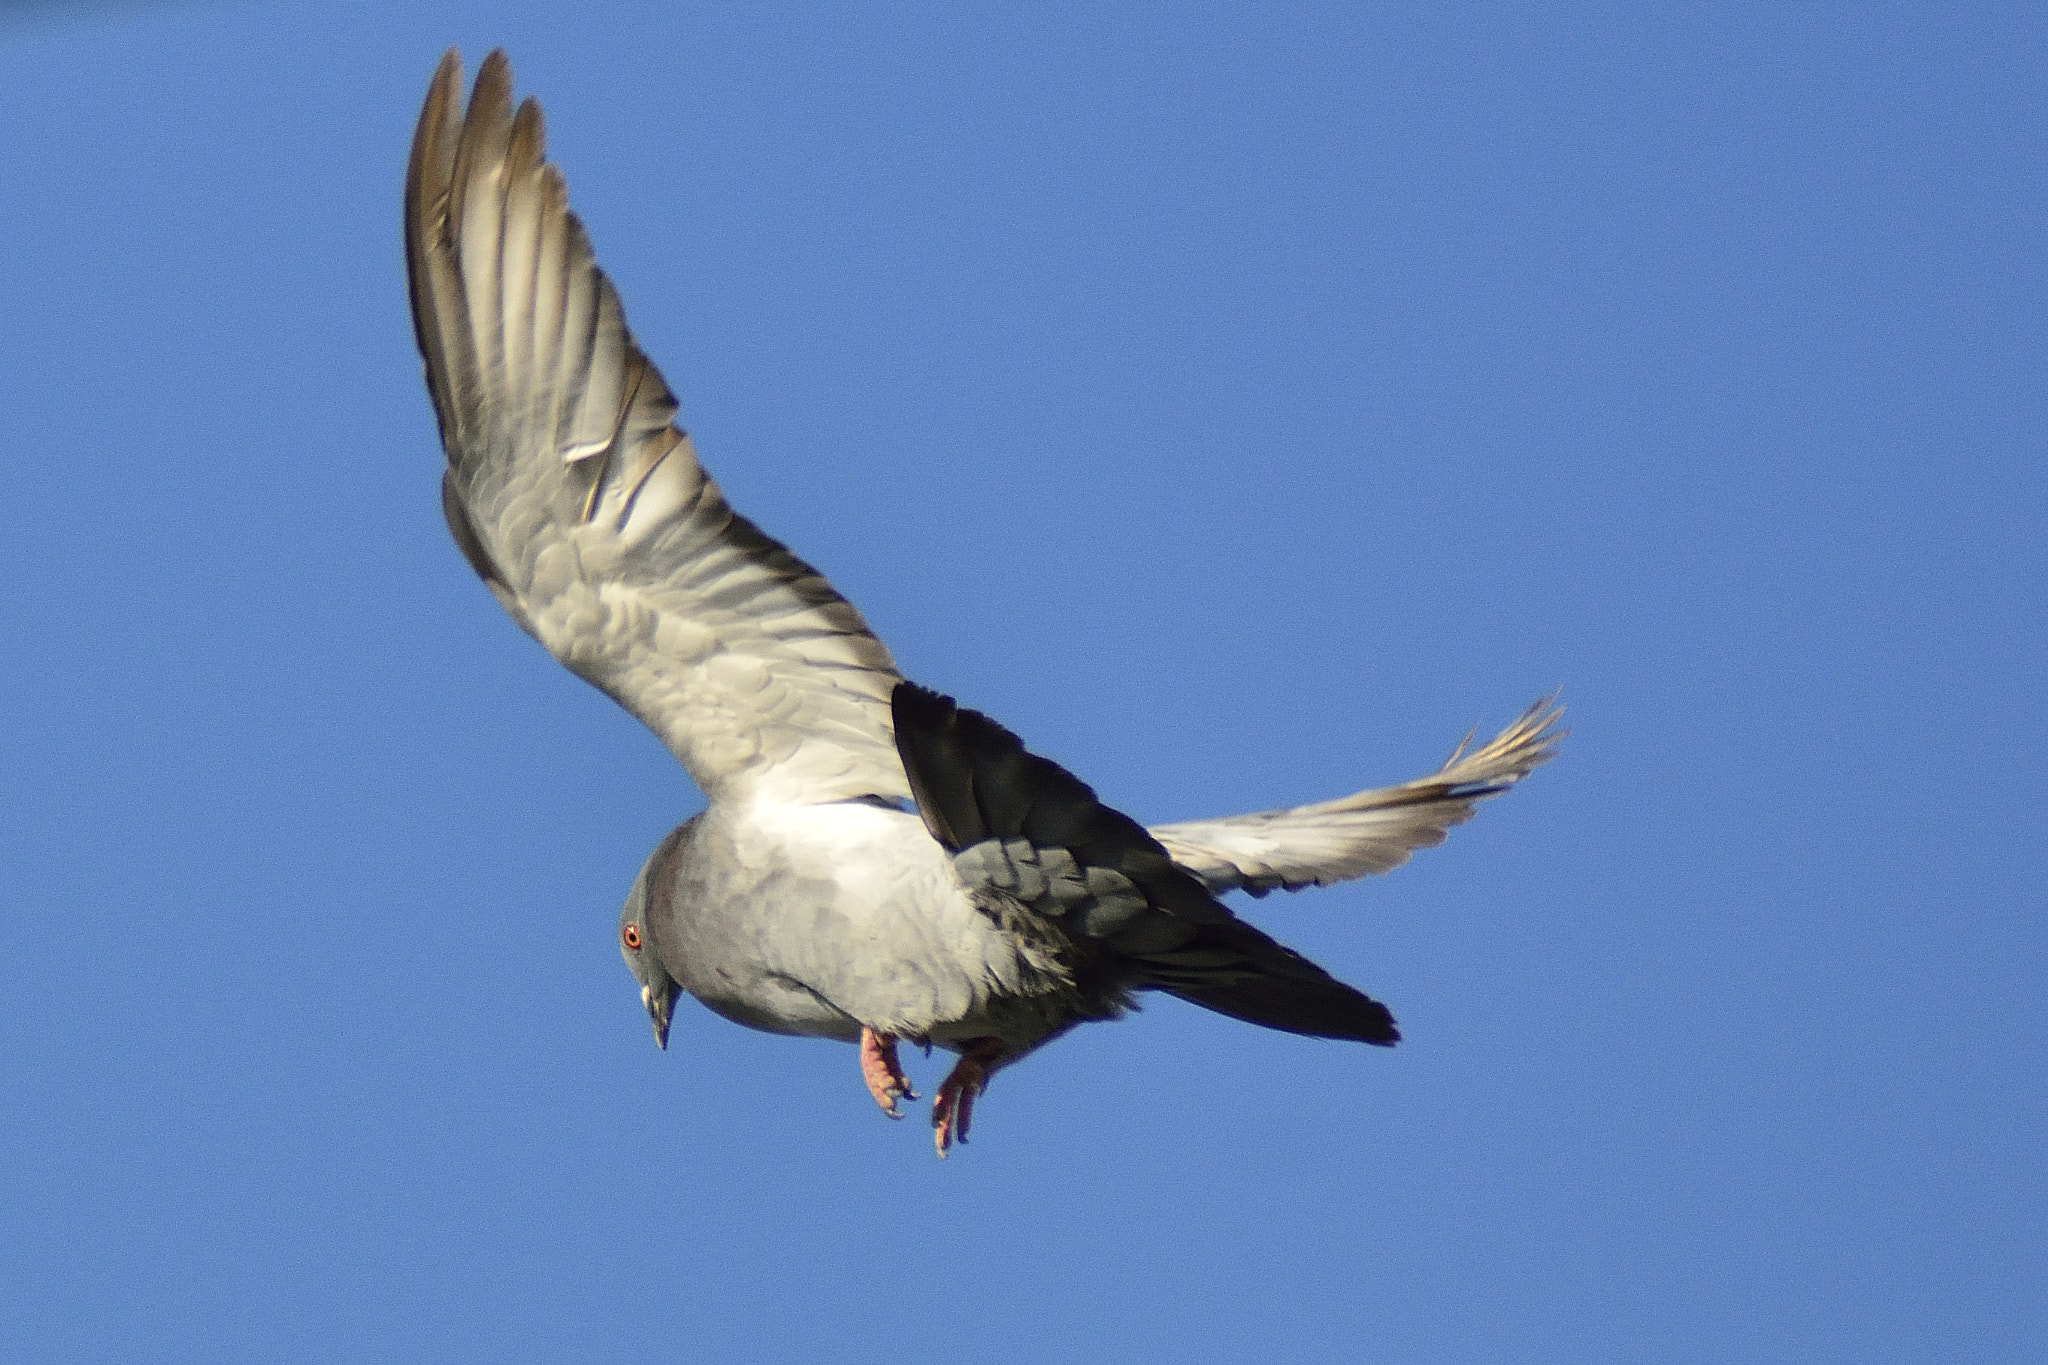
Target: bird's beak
<point>658,1007</point>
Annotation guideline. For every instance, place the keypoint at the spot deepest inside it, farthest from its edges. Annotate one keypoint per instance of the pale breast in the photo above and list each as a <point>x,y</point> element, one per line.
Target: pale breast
<point>817,919</point>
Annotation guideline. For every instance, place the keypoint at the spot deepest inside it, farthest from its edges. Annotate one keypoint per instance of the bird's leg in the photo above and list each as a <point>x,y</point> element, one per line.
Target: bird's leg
<point>953,1106</point>
<point>883,1073</point>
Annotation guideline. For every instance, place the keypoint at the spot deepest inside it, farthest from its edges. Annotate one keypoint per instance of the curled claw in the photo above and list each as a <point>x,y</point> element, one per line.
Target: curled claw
<point>953,1106</point>
<point>882,1072</point>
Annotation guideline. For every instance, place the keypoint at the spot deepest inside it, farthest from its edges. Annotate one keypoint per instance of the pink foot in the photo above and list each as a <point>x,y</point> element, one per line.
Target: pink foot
<point>953,1106</point>
<point>883,1073</point>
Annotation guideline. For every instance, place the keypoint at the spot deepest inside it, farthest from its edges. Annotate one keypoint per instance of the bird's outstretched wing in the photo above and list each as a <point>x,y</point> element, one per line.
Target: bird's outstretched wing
<point>1368,832</point>
<point>1022,826</point>
<point>581,504</point>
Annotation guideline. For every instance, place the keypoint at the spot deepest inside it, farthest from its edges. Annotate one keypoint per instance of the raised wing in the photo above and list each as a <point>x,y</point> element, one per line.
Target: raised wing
<point>1371,831</point>
<point>581,504</point>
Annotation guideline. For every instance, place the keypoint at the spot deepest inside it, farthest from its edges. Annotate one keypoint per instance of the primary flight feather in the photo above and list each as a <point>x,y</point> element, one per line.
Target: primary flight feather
<point>874,863</point>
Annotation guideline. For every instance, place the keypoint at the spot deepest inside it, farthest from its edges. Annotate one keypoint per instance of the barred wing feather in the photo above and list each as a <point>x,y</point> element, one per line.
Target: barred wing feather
<point>1368,832</point>
<point>577,499</point>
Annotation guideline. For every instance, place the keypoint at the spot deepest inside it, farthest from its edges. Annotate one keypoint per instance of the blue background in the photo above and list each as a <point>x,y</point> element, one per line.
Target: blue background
<point>1240,402</point>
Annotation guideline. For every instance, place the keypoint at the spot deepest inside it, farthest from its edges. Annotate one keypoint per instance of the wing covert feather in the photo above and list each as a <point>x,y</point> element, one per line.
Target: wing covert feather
<point>1027,833</point>
<point>581,504</point>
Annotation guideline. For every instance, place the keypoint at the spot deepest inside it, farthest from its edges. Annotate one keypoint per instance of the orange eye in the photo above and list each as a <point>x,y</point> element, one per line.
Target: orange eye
<point>631,935</point>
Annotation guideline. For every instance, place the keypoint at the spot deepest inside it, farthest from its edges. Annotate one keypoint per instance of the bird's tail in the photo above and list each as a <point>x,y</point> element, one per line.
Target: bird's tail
<point>1234,969</point>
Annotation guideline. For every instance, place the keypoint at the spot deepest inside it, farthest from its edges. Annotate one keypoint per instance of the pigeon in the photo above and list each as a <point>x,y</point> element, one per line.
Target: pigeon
<point>874,863</point>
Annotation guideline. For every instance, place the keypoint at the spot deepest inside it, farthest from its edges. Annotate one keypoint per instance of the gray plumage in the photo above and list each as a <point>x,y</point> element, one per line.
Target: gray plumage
<point>873,862</point>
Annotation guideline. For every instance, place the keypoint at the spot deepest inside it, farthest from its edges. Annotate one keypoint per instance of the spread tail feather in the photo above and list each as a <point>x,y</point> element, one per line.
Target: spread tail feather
<point>1234,969</point>
<point>1329,1010</point>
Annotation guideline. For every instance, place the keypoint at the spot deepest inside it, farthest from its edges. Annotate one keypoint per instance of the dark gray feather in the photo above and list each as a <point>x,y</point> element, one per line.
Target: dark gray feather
<point>1022,826</point>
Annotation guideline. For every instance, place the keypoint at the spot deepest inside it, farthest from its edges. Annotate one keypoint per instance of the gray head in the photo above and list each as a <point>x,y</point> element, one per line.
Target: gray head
<point>638,931</point>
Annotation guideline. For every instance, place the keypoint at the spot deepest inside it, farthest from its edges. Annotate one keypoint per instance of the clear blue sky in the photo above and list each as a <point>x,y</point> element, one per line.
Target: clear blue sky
<point>1240,402</point>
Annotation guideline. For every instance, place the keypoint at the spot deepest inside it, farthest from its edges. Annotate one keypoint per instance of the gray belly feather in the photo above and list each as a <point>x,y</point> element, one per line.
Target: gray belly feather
<point>817,920</point>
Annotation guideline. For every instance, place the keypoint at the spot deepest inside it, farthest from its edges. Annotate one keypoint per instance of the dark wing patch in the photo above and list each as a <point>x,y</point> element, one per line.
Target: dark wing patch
<point>1022,825</point>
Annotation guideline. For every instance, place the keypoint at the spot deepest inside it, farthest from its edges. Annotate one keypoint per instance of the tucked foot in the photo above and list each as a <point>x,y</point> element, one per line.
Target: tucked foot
<point>953,1106</point>
<point>883,1073</point>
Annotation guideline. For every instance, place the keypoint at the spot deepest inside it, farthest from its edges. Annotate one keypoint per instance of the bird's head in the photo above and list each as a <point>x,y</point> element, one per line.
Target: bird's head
<point>639,934</point>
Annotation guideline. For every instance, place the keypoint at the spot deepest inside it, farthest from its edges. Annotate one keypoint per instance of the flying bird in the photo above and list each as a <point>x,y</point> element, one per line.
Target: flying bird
<point>874,863</point>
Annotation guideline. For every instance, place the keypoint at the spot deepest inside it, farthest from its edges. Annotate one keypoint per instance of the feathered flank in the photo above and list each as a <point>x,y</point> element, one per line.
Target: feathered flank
<point>1367,832</point>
